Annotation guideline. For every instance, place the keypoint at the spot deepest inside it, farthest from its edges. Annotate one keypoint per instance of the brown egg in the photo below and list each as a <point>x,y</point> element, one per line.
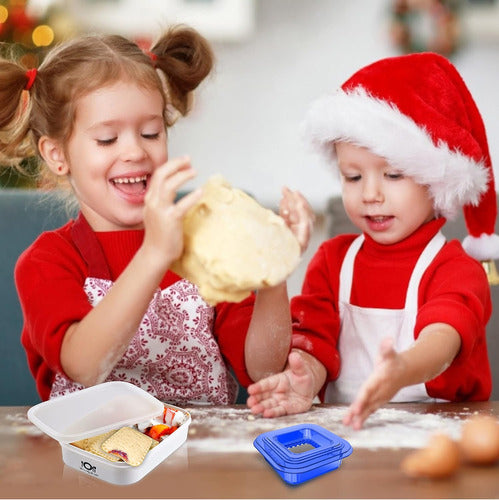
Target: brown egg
<point>480,440</point>
<point>439,459</point>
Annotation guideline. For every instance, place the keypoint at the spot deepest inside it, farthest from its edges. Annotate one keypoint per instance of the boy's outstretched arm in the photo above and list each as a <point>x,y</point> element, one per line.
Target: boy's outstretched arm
<point>431,354</point>
<point>291,391</point>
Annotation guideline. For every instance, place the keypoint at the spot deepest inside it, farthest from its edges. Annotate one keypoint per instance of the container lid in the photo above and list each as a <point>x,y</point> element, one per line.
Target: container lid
<point>94,410</point>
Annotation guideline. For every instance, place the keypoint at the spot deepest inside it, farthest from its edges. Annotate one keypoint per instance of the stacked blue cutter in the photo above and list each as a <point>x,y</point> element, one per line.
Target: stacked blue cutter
<point>302,452</point>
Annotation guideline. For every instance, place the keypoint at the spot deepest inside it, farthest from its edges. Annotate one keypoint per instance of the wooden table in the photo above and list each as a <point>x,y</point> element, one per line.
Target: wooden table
<point>218,459</point>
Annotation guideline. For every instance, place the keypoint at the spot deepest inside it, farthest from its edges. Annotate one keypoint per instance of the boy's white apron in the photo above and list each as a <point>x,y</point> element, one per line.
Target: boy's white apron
<point>362,329</point>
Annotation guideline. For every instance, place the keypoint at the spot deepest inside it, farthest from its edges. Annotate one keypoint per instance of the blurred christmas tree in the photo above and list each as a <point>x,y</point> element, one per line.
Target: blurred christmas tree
<point>27,31</point>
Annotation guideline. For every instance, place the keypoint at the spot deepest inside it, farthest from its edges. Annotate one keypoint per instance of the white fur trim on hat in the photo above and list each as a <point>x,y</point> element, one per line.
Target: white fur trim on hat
<point>482,248</point>
<point>454,179</point>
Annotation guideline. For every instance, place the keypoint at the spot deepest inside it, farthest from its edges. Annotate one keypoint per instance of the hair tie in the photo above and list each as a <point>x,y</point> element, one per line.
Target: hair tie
<point>31,75</point>
<point>152,56</point>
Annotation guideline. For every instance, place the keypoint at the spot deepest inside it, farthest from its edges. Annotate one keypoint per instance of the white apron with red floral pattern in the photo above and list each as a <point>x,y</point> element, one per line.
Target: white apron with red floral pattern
<point>173,355</point>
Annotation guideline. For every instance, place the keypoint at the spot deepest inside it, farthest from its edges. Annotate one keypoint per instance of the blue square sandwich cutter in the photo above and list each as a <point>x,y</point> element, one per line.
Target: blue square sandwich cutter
<point>302,452</point>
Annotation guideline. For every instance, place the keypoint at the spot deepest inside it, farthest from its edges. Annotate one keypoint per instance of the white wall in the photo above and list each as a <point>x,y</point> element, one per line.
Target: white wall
<point>246,123</point>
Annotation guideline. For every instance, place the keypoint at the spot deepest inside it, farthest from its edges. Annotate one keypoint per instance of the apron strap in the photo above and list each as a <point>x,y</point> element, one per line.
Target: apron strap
<point>87,243</point>
<point>346,273</point>
<point>426,257</point>
<point>411,300</point>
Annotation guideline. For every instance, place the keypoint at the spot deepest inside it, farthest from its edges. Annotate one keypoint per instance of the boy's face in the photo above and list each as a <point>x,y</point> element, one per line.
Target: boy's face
<point>118,140</point>
<point>377,198</point>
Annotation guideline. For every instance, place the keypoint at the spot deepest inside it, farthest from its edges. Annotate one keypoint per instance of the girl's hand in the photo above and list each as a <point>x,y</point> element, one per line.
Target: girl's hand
<point>379,388</point>
<point>298,214</point>
<point>162,216</point>
<point>286,393</point>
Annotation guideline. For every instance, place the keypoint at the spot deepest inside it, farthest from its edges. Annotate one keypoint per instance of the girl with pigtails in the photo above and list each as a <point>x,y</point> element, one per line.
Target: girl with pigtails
<point>98,298</point>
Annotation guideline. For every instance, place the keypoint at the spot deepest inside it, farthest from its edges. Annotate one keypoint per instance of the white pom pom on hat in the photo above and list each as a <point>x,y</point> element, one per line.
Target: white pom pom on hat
<point>416,111</point>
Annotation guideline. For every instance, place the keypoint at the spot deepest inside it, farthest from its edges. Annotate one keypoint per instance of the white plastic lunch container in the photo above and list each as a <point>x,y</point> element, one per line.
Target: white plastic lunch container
<point>98,409</point>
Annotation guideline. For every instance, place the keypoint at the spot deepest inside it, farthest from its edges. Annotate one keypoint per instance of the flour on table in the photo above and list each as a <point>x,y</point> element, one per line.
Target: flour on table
<point>20,424</point>
<point>233,430</point>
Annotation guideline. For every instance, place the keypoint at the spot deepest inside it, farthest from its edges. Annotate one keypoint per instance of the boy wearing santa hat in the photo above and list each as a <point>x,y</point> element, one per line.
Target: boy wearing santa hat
<point>397,313</point>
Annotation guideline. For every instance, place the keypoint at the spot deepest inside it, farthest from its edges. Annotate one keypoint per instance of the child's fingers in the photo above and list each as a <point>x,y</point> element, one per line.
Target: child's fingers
<point>255,407</point>
<point>188,201</point>
<point>276,411</point>
<point>261,398</point>
<point>298,215</point>
<point>266,406</point>
<point>359,405</point>
<point>265,412</point>
<point>348,417</point>
<point>265,385</point>
<point>168,179</point>
<point>371,397</point>
<point>175,165</point>
<point>290,204</point>
<point>271,408</point>
<point>304,211</point>
<point>359,418</point>
<point>299,204</point>
<point>254,399</point>
<point>355,415</point>
<point>355,408</point>
<point>169,186</point>
<point>285,205</point>
<point>377,390</point>
<point>303,233</point>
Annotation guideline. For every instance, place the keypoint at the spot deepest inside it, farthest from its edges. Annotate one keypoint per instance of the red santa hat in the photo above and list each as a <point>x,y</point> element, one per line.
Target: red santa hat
<point>416,111</point>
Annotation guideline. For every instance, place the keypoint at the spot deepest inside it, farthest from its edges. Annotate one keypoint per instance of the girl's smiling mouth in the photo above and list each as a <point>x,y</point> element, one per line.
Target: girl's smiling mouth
<point>132,187</point>
<point>130,180</point>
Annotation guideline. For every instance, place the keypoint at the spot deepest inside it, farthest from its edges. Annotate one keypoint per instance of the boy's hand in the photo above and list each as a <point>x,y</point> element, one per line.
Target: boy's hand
<point>379,388</point>
<point>434,350</point>
<point>286,393</point>
<point>299,216</point>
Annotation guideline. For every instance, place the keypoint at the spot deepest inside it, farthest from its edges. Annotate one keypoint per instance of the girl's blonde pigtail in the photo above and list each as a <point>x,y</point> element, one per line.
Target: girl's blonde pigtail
<point>15,108</point>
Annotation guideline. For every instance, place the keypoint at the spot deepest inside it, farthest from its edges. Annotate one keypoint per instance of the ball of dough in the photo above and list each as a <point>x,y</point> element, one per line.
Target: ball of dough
<point>233,245</point>
<point>480,440</point>
<point>439,459</point>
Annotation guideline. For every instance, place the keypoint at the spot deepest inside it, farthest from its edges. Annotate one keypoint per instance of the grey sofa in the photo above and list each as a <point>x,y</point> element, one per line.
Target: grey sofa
<point>337,222</point>
<point>23,215</point>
